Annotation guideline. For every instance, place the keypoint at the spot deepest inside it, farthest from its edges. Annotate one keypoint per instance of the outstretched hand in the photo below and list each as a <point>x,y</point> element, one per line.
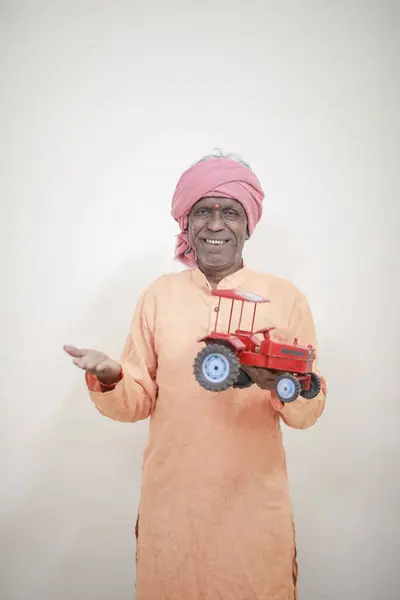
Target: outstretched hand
<point>106,369</point>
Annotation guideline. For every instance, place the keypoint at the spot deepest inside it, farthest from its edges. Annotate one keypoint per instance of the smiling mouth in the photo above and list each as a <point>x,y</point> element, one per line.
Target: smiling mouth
<point>212,242</point>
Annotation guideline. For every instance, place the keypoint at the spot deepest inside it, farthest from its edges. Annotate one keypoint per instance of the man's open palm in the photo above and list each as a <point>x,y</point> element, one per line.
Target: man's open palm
<point>106,369</point>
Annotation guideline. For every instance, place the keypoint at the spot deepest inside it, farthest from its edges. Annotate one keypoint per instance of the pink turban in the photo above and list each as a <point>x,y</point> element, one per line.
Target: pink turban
<point>220,177</point>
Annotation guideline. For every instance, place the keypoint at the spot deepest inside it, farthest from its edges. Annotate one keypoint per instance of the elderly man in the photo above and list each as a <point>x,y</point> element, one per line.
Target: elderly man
<point>215,519</point>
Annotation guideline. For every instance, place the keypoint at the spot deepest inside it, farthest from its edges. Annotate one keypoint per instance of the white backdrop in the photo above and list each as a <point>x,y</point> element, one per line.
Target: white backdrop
<point>103,105</point>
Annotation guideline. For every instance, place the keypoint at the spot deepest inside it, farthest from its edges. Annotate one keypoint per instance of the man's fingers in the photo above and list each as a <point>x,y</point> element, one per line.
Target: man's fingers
<point>96,366</point>
<point>102,367</point>
<point>73,351</point>
<point>94,362</point>
<point>88,365</point>
<point>80,362</point>
<point>106,366</point>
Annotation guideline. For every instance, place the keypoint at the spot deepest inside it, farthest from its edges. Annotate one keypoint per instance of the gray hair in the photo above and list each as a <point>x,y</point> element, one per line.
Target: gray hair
<point>217,153</point>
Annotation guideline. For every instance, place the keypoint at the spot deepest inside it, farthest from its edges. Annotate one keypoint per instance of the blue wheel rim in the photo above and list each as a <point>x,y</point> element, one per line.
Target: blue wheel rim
<point>286,388</point>
<point>215,367</point>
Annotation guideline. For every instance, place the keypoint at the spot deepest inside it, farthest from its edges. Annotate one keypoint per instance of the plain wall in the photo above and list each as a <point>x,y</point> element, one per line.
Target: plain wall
<point>103,105</point>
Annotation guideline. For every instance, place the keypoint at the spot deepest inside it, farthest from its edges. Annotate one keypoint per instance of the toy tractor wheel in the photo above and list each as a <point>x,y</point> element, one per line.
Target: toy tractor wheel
<point>287,387</point>
<point>216,367</point>
<point>314,389</point>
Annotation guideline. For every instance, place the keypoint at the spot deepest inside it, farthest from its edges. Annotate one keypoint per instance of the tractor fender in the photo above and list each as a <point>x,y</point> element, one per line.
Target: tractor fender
<point>227,340</point>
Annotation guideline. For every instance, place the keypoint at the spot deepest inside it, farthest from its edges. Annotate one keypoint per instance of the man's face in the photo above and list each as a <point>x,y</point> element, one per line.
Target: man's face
<point>217,232</point>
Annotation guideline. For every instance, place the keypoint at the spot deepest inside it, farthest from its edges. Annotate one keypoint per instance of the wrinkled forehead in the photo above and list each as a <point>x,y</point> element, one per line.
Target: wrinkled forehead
<point>214,201</point>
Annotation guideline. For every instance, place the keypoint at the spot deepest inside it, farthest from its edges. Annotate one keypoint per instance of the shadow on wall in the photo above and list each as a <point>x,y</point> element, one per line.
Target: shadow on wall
<point>73,536</point>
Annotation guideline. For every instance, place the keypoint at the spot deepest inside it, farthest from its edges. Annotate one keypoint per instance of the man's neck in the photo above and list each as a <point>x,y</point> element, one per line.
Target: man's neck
<point>215,276</point>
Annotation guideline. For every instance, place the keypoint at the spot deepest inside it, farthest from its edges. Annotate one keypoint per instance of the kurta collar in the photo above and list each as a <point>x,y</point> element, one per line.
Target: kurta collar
<point>231,282</point>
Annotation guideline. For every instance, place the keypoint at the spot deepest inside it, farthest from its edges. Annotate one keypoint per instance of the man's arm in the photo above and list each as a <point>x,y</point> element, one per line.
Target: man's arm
<point>133,398</point>
<point>302,413</point>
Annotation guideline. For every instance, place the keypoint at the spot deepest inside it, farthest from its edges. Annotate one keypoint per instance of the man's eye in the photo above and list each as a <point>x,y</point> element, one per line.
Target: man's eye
<point>231,214</point>
<point>202,212</point>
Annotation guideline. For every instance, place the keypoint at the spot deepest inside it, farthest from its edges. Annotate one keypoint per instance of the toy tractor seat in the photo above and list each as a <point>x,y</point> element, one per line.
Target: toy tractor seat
<point>246,337</point>
<point>265,331</point>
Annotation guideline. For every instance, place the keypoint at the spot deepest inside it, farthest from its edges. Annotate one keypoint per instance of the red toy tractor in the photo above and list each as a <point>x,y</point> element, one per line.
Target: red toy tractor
<point>218,366</point>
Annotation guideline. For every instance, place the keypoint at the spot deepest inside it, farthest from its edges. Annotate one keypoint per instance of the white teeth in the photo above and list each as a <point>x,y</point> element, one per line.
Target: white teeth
<point>215,242</point>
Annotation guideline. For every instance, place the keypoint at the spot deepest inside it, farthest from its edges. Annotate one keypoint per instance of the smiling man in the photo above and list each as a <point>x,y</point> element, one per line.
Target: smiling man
<point>215,519</point>
<point>217,233</point>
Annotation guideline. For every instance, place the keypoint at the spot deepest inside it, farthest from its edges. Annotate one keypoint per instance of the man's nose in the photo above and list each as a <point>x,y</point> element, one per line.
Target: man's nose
<point>216,223</point>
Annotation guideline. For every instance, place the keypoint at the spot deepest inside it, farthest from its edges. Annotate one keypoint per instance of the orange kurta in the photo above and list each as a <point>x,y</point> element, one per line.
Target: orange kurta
<point>215,513</point>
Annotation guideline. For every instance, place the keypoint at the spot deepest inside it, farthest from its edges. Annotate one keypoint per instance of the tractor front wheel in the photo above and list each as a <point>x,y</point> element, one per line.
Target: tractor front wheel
<point>287,387</point>
<point>216,367</point>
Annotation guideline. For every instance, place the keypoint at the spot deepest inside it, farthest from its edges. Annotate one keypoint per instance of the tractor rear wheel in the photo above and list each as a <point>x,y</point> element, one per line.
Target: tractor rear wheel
<point>287,387</point>
<point>314,389</point>
<point>216,367</point>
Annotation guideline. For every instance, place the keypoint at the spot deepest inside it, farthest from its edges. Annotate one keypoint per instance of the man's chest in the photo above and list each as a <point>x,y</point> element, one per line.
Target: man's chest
<point>181,322</point>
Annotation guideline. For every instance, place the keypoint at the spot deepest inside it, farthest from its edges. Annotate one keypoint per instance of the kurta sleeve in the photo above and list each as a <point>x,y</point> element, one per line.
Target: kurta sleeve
<point>133,398</point>
<point>303,413</point>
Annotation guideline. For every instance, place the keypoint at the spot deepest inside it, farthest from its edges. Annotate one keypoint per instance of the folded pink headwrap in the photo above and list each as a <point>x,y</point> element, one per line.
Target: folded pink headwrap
<point>220,177</point>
